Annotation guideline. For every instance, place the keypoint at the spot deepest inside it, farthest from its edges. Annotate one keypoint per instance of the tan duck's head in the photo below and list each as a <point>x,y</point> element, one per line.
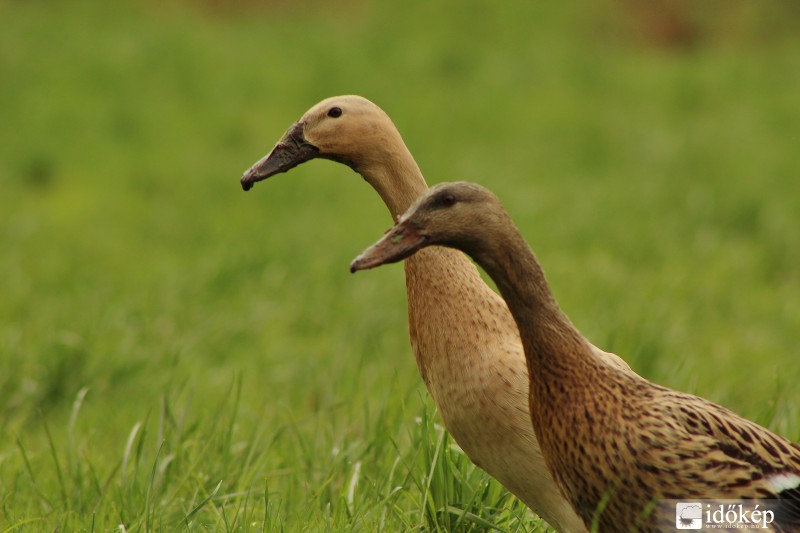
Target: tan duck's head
<point>458,214</point>
<point>347,129</point>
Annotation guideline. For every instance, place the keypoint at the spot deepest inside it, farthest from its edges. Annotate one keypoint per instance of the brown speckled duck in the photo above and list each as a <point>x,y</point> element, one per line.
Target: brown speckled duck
<point>464,339</point>
<point>615,443</point>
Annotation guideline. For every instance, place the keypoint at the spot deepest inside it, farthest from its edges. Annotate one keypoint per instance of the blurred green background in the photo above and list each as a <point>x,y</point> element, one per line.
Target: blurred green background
<point>177,354</point>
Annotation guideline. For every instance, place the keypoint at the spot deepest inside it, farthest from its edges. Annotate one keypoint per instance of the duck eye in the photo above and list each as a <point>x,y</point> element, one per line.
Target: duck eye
<point>335,112</point>
<point>447,200</point>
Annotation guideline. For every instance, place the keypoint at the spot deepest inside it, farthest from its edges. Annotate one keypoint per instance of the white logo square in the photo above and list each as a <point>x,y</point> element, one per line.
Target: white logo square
<point>688,515</point>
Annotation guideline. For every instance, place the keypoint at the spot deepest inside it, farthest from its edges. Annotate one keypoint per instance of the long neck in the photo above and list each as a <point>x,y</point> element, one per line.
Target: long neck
<point>547,334</point>
<point>394,174</point>
<point>445,290</point>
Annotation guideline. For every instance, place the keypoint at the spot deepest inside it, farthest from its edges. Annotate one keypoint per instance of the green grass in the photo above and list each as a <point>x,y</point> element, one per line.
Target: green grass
<point>178,355</point>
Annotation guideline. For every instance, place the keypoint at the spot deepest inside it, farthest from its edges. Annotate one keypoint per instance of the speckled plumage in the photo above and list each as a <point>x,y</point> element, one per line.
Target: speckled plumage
<point>615,442</point>
<point>464,339</point>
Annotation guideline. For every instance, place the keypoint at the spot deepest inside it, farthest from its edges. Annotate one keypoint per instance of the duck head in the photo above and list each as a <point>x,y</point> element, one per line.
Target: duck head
<point>347,129</point>
<point>458,215</point>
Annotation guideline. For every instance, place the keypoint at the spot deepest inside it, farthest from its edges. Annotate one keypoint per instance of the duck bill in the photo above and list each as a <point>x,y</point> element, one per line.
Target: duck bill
<point>399,242</point>
<point>291,150</point>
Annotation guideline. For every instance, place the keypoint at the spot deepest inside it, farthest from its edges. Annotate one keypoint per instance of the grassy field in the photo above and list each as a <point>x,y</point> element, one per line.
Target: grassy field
<point>176,354</point>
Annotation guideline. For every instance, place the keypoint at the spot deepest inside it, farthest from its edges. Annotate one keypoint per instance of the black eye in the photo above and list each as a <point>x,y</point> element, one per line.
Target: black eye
<point>446,200</point>
<point>335,112</point>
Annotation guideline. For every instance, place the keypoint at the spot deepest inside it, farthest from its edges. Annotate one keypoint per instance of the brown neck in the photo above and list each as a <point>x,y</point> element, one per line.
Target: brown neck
<point>547,334</point>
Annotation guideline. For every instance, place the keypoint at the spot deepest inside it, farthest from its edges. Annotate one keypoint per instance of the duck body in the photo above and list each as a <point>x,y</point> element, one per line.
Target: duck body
<point>463,337</point>
<point>625,443</point>
<point>616,444</point>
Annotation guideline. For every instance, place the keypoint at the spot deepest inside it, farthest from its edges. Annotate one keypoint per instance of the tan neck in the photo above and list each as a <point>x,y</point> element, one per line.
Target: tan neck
<point>397,179</point>
<point>445,291</point>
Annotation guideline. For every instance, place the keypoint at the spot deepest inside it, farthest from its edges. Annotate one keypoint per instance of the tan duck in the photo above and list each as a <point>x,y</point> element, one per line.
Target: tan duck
<point>464,339</point>
<point>615,442</point>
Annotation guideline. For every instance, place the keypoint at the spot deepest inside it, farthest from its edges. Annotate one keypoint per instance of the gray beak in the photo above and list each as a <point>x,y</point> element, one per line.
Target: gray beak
<point>291,150</point>
<point>399,242</point>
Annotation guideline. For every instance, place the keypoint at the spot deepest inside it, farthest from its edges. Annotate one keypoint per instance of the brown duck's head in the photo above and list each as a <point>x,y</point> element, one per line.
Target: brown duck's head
<point>348,129</point>
<point>458,215</point>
